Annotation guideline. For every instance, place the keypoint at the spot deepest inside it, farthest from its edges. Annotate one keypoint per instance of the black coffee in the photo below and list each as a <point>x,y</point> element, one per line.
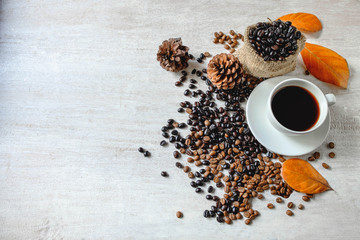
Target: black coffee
<point>295,108</point>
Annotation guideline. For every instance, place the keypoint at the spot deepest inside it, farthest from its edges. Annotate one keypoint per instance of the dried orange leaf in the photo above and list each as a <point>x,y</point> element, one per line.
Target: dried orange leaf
<point>325,64</point>
<point>301,176</point>
<point>305,22</point>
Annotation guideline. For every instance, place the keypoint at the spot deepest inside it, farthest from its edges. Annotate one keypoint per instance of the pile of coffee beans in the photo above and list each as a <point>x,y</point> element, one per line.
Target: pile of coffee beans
<point>221,145</point>
<point>230,41</point>
<point>274,41</point>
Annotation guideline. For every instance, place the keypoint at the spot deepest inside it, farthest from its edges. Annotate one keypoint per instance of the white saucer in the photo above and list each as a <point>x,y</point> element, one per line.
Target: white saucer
<point>270,137</point>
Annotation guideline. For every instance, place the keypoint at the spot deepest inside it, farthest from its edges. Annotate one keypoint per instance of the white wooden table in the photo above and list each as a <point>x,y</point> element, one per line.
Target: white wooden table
<point>81,90</point>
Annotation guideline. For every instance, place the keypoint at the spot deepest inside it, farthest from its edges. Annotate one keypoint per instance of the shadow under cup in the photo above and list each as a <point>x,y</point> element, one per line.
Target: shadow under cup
<point>297,106</point>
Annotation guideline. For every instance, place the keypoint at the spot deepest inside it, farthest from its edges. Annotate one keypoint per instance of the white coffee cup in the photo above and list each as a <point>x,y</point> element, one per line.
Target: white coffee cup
<point>324,102</point>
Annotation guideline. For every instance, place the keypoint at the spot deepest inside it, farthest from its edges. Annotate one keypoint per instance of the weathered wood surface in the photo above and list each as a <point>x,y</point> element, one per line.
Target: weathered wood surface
<point>80,91</point>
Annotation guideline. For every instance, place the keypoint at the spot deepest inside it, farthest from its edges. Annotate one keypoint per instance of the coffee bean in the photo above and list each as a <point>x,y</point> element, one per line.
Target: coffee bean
<point>176,154</point>
<point>227,220</point>
<point>180,110</point>
<point>192,86</point>
<point>305,198</point>
<point>191,175</point>
<point>331,145</point>
<point>164,174</point>
<point>179,214</point>
<point>316,155</point>
<point>165,135</point>
<point>140,149</point>
<point>179,165</point>
<point>270,205</point>
<point>178,84</point>
<point>331,154</point>
<point>209,197</point>
<point>290,205</point>
<point>300,206</point>
<point>311,158</point>
<point>210,189</point>
<point>186,169</point>
<point>289,213</point>
<point>279,200</point>
<point>147,154</point>
<point>307,72</point>
<point>193,184</point>
<point>325,165</point>
<point>247,221</point>
<point>199,60</point>
<point>193,71</point>
<point>198,190</point>
<point>163,143</point>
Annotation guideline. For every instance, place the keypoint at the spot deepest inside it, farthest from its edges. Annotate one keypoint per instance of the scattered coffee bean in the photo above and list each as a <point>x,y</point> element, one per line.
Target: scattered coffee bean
<point>209,197</point>
<point>311,158</point>
<point>193,81</point>
<point>165,135</point>
<point>290,205</point>
<point>316,155</point>
<point>247,221</point>
<point>307,72</point>
<point>178,84</point>
<point>147,154</point>
<point>180,110</point>
<point>331,145</point>
<point>305,198</point>
<point>289,212</point>
<point>331,154</point>
<point>179,214</point>
<point>176,154</point>
<point>193,71</point>
<point>198,190</point>
<point>227,220</point>
<point>279,200</point>
<point>140,149</point>
<point>164,174</point>
<point>186,169</point>
<point>163,143</point>
<point>179,165</point>
<point>191,175</point>
<point>270,205</point>
<point>210,189</point>
<point>325,165</point>
<point>260,196</point>
<point>300,206</point>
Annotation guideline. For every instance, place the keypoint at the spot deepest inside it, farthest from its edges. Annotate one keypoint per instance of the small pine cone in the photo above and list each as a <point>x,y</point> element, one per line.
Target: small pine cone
<point>225,71</point>
<point>172,55</point>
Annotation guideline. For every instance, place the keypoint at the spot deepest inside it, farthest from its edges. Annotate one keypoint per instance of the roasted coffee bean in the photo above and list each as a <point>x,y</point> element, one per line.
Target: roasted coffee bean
<point>305,198</point>
<point>210,189</point>
<point>172,139</point>
<point>179,165</point>
<point>199,60</point>
<point>279,200</point>
<point>198,190</point>
<point>331,145</point>
<point>325,165</point>
<point>163,143</point>
<point>164,174</point>
<point>311,158</point>
<point>307,72</point>
<point>187,92</point>
<point>316,155</point>
<point>176,154</point>
<point>331,154</point>
<point>140,149</point>
<point>179,214</point>
<point>192,86</point>
<point>193,71</point>
<point>178,83</point>
<point>193,184</point>
<point>209,197</point>
<point>147,154</point>
<point>186,169</point>
<point>193,81</point>
<point>247,221</point>
<point>290,205</point>
<point>270,205</point>
<point>180,110</point>
<point>289,212</point>
<point>300,206</point>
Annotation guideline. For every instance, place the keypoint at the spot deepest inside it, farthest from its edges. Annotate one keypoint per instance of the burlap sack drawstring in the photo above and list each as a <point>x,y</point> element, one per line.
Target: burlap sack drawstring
<point>255,65</point>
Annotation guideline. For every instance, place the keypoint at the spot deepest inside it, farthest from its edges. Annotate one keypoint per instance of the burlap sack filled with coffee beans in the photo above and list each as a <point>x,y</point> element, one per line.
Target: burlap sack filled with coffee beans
<point>258,67</point>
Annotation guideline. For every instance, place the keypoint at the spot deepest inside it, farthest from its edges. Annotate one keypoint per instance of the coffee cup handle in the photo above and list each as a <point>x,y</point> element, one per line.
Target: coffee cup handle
<point>331,99</point>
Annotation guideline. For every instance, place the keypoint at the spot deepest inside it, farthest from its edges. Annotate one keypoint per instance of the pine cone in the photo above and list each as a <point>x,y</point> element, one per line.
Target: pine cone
<point>224,71</point>
<point>173,56</point>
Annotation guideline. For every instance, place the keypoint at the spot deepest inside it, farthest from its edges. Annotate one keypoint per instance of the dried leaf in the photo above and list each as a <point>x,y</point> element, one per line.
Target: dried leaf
<point>325,64</point>
<point>302,177</point>
<point>305,22</point>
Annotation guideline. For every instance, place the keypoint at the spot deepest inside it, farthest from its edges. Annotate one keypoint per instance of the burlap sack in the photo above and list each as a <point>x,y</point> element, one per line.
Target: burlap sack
<point>256,66</point>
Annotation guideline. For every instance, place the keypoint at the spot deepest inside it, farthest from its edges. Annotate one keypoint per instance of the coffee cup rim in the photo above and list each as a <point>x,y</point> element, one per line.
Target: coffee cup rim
<point>321,95</point>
